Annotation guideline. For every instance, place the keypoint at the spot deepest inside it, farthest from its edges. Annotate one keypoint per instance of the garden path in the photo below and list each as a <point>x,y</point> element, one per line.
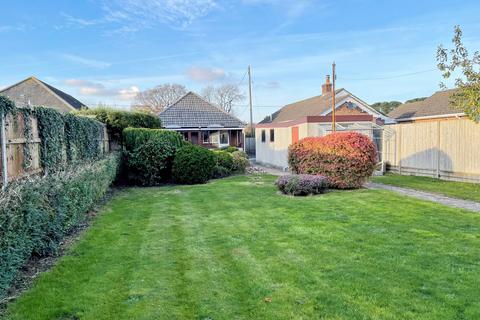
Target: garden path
<point>438,198</point>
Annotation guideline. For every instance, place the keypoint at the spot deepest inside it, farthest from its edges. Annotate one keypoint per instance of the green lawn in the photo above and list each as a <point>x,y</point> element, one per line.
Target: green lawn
<point>461,190</point>
<point>236,249</point>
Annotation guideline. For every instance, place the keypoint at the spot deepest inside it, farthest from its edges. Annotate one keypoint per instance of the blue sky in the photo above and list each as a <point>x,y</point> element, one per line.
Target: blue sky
<point>105,51</point>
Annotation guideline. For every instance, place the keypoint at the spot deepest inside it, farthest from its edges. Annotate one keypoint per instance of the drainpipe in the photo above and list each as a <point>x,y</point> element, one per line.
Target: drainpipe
<point>4,151</point>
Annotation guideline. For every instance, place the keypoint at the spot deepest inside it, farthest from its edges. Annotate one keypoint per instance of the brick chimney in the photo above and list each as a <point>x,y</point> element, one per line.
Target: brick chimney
<point>327,86</point>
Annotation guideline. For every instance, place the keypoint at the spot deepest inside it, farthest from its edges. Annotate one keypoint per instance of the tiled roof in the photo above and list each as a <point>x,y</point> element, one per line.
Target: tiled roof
<point>314,106</point>
<point>65,96</point>
<point>192,111</point>
<point>436,105</point>
<point>39,93</point>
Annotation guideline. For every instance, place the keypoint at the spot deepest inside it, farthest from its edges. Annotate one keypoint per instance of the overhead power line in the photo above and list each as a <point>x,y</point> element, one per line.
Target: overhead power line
<point>389,77</point>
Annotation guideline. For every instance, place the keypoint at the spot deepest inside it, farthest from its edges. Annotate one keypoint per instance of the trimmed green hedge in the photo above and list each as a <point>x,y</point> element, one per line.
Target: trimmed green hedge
<point>133,137</point>
<point>149,155</point>
<point>37,212</point>
<point>118,120</point>
<point>193,164</point>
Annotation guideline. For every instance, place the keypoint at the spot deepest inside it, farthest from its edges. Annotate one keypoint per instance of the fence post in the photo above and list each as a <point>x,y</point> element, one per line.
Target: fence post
<point>400,149</point>
<point>4,150</point>
<point>438,149</point>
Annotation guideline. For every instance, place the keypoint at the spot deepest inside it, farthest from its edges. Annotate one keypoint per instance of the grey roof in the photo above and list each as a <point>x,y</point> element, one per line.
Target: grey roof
<point>192,111</point>
<point>313,106</point>
<point>436,105</point>
<point>39,93</point>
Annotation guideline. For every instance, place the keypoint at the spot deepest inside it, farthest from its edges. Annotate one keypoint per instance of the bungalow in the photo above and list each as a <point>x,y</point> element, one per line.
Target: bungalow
<point>34,92</point>
<point>435,107</point>
<point>309,118</point>
<point>202,123</point>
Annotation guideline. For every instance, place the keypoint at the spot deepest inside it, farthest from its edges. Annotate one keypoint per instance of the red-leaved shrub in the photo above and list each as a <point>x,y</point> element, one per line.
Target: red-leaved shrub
<point>347,159</point>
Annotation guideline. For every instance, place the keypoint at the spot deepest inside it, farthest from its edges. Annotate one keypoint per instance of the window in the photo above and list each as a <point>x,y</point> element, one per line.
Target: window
<point>263,135</point>
<point>214,137</point>
<point>206,136</point>
<point>272,135</point>
<point>224,137</point>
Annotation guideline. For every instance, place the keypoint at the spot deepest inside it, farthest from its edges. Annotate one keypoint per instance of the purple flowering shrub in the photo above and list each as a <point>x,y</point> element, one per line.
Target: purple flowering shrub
<point>302,185</point>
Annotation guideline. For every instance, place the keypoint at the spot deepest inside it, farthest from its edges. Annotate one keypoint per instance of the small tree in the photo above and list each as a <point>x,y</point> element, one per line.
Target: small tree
<point>157,99</point>
<point>467,97</point>
<point>223,96</point>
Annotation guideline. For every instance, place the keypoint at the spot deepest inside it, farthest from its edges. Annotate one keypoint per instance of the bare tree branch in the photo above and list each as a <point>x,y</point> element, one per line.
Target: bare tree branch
<point>157,99</point>
<point>224,96</point>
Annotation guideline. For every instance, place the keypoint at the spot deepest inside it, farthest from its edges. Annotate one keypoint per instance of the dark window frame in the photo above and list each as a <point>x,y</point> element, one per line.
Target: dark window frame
<point>272,135</point>
<point>206,134</point>
<point>264,136</point>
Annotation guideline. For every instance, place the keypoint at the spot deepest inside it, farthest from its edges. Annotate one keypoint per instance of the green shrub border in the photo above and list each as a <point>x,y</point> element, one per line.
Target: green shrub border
<point>118,120</point>
<point>37,212</point>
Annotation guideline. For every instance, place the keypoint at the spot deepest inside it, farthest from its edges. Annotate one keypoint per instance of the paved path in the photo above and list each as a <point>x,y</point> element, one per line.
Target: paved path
<point>447,201</point>
<point>269,170</point>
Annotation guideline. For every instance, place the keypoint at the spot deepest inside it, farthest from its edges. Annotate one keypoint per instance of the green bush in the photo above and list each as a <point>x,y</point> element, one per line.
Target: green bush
<point>225,160</point>
<point>229,149</point>
<point>149,154</point>
<point>193,164</point>
<point>220,172</point>
<point>133,137</point>
<point>36,212</point>
<point>118,120</point>
<point>240,161</point>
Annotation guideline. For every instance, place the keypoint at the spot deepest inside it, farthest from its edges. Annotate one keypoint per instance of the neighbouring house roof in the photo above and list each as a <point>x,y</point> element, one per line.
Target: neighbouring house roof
<point>318,106</point>
<point>39,93</point>
<point>436,105</point>
<point>192,111</point>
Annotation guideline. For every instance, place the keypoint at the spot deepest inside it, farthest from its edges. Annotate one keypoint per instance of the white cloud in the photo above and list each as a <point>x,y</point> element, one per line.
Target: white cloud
<point>85,61</point>
<point>205,74</point>
<point>129,93</point>
<point>177,13</point>
<point>96,89</point>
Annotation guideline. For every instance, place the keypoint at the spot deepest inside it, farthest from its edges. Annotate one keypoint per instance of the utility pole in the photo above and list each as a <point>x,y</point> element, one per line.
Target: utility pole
<point>250,98</point>
<point>334,76</point>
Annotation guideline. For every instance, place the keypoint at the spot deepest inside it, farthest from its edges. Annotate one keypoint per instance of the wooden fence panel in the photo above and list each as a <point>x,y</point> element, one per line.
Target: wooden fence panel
<point>16,140</point>
<point>445,149</point>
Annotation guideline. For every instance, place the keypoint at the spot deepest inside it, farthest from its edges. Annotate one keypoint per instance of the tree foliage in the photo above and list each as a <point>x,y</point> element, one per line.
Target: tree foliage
<point>155,100</point>
<point>386,106</point>
<point>416,99</point>
<point>467,97</point>
<point>224,96</point>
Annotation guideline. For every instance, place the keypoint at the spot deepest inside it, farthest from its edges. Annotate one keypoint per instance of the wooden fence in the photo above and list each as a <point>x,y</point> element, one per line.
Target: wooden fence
<point>15,142</point>
<point>446,149</point>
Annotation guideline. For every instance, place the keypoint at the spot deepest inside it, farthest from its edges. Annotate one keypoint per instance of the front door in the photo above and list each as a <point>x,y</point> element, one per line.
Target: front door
<point>294,134</point>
